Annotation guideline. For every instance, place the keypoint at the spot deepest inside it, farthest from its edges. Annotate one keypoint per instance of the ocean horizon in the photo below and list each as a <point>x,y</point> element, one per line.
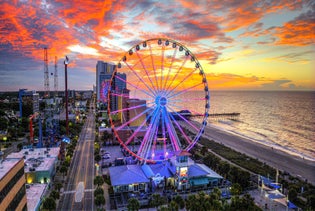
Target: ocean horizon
<point>284,120</point>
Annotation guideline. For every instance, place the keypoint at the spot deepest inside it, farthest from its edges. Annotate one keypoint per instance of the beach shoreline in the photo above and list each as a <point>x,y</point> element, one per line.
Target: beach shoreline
<point>294,165</point>
<point>285,162</point>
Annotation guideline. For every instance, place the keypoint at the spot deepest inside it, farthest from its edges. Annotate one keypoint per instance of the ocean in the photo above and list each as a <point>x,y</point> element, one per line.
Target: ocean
<point>284,120</point>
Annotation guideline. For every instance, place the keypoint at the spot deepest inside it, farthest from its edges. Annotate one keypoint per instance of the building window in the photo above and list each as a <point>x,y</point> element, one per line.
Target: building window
<point>141,187</point>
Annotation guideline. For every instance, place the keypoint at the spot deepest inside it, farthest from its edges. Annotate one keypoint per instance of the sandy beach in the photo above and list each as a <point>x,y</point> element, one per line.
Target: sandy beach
<point>294,165</point>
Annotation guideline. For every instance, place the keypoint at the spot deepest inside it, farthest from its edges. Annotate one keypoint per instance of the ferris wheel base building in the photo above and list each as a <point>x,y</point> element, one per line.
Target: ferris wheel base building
<point>179,173</point>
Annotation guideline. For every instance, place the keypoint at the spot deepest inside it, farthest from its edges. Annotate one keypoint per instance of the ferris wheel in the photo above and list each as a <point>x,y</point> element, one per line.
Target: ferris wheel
<point>159,100</point>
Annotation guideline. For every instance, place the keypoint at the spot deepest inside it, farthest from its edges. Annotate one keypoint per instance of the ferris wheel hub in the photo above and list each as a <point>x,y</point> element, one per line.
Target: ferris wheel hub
<point>160,101</point>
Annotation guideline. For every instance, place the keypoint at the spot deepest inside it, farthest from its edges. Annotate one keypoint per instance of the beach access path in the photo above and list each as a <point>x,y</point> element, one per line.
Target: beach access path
<point>296,166</point>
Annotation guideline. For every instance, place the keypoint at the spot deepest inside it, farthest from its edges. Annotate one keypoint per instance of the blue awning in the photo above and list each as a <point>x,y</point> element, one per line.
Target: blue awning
<point>199,181</point>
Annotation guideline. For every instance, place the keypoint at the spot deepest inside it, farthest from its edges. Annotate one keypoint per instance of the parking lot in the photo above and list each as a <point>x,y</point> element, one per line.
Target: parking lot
<point>111,156</point>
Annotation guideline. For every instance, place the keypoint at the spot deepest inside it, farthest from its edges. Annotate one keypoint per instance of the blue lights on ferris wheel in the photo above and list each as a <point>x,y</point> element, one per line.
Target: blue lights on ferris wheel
<point>169,101</point>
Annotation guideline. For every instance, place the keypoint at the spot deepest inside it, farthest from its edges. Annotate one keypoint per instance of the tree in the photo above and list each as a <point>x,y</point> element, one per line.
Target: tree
<point>49,204</point>
<point>204,150</point>
<point>292,194</point>
<point>236,189</point>
<point>97,158</point>
<point>217,193</point>
<point>133,204</point>
<point>98,191</point>
<point>180,201</point>
<point>192,204</point>
<point>98,180</point>
<point>173,206</point>
<point>3,123</point>
<point>58,186</point>
<point>63,170</point>
<point>99,200</point>
<point>198,202</point>
<point>157,200</point>
<point>54,194</point>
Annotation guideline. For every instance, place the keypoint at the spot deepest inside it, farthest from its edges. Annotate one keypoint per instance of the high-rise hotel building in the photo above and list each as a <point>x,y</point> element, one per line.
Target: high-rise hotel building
<point>12,185</point>
<point>104,72</point>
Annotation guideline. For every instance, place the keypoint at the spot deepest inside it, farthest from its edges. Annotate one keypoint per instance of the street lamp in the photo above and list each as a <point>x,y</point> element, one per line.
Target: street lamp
<point>66,62</point>
<point>62,148</point>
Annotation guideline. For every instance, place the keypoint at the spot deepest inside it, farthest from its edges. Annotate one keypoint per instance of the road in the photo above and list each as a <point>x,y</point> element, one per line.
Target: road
<point>79,190</point>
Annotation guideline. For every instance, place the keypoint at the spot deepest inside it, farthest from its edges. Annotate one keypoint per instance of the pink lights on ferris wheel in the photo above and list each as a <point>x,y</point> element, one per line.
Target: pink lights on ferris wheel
<point>157,120</point>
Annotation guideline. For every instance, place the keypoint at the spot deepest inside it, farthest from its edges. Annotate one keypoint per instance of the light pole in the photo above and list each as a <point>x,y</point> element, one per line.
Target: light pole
<point>66,62</point>
<point>62,147</point>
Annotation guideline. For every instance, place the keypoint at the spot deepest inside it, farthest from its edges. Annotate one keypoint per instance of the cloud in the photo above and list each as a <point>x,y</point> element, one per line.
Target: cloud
<point>210,56</point>
<point>281,84</point>
<point>84,50</point>
<point>297,32</point>
<point>105,30</point>
<point>299,57</point>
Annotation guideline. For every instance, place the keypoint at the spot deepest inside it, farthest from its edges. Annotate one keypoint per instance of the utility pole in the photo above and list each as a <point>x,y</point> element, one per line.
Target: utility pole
<point>46,74</point>
<point>56,78</point>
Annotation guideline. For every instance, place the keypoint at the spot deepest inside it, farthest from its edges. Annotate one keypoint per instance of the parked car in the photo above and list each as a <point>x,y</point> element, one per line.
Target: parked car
<point>106,156</point>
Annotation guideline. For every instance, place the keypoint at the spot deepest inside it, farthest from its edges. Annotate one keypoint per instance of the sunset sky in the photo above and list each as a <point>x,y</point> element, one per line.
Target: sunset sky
<point>242,45</point>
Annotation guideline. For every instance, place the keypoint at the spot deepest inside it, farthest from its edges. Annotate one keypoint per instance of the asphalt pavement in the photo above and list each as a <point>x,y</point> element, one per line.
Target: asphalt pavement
<point>79,189</point>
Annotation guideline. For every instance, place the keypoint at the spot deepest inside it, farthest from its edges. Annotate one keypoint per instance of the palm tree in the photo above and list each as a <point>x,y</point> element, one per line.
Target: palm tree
<point>54,194</point>
<point>204,150</point>
<point>63,170</point>
<point>97,158</point>
<point>236,189</point>
<point>98,180</point>
<point>180,201</point>
<point>49,204</point>
<point>133,204</point>
<point>157,200</point>
<point>173,206</point>
<point>99,200</point>
<point>98,191</point>
<point>217,193</point>
<point>58,186</point>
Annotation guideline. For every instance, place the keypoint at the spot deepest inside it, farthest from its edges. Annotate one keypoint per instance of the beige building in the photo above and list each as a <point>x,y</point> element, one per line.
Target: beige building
<point>12,185</point>
<point>133,114</point>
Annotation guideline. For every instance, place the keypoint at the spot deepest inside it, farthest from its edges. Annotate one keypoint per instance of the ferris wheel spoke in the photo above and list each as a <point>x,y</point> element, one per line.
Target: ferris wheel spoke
<point>164,136</point>
<point>169,70</point>
<point>138,129</point>
<point>128,109</point>
<point>177,73</point>
<point>144,146</point>
<point>133,119</point>
<point>180,129</point>
<point>145,69</point>
<point>162,65</point>
<point>135,86</point>
<point>186,100</point>
<point>182,81</point>
<point>171,132</point>
<point>153,135</point>
<point>153,66</point>
<point>194,112</point>
<point>154,143</point>
<point>184,91</point>
<point>160,76</point>
<point>140,78</point>
<point>183,118</point>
